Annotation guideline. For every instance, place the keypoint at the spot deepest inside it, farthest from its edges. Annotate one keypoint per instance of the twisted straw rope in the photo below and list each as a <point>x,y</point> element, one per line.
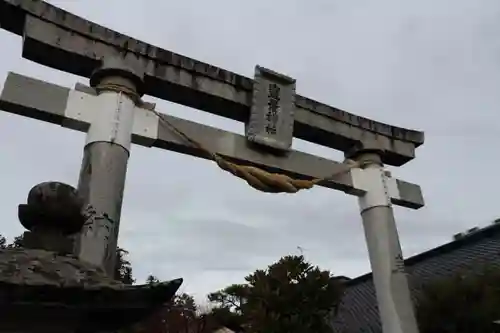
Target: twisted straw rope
<point>257,178</point>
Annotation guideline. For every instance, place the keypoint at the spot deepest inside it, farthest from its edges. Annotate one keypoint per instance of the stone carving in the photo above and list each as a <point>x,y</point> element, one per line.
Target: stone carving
<point>61,292</point>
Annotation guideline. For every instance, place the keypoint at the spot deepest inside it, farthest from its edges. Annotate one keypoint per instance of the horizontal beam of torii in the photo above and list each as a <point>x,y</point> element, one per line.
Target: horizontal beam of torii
<point>49,102</point>
<point>61,40</point>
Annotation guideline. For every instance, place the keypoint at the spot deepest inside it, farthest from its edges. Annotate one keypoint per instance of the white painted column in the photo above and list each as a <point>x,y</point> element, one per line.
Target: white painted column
<point>105,159</point>
<point>389,277</point>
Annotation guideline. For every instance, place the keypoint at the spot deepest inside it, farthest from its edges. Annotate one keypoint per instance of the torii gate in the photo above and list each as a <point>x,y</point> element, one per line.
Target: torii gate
<point>121,69</point>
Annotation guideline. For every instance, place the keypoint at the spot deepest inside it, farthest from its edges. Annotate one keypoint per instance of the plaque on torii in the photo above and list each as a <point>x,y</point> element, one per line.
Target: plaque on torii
<point>122,69</point>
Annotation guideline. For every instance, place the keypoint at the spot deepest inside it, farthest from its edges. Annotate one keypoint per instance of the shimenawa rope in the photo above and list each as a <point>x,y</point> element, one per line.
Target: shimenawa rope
<point>255,177</point>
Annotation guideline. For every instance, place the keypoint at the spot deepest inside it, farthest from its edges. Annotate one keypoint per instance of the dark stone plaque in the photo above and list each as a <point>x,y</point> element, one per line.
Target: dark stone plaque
<point>271,116</point>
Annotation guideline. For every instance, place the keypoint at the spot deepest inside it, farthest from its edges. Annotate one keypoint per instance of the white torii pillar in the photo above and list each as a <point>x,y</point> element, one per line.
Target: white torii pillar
<point>105,159</point>
<point>389,278</point>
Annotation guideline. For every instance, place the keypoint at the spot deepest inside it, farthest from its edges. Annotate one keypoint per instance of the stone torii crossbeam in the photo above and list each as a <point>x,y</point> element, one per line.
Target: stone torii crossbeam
<point>121,69</point>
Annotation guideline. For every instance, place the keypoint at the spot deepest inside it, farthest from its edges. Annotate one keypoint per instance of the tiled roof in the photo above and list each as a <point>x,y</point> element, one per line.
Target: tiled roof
<point>358,312</point>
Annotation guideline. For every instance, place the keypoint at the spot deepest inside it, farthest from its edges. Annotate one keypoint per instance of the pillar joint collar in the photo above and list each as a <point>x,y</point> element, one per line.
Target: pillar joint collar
<point>117,71</point>
<point>366,157</point>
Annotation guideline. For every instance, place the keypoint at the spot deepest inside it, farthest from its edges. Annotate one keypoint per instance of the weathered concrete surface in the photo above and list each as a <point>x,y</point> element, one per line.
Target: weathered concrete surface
<point>57,292</point>
<point>101,184</point>
<point>227,144</point>
<point>40,267</point>
<point>56,38</point>
<point>47,102</point>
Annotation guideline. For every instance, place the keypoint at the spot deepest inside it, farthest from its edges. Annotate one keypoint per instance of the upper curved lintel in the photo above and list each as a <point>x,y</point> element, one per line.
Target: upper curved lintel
<point>208,87</point>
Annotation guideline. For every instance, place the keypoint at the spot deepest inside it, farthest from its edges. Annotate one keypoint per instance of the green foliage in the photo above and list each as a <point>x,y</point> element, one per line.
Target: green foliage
<point>123,268</point>
<point>289,296</point>
<point>464,303</point>
<point>3,242</point>
<point>152,279</point>
<point>16,243</point>
<point>231,298</point>
<point>179,315</point>
<point>183,302</point>
<point>222,316</point>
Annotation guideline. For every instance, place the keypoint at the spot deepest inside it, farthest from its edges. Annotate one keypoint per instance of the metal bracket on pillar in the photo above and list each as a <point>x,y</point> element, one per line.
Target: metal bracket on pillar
<point>115,121</point>
<point>377,186</point>
<point>272,112</point>
<point>84,106</point>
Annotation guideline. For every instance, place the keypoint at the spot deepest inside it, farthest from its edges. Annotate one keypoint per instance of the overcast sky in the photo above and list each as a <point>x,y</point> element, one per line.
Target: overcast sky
<point>428,65</point>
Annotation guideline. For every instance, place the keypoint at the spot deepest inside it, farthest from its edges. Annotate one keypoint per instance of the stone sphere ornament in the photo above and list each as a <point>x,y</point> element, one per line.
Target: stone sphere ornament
<point>46,288</point>
<point>53,206</point>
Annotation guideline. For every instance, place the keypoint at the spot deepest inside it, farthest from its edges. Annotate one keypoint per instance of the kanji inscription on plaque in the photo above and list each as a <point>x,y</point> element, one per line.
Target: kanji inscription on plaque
<point>272,112</point>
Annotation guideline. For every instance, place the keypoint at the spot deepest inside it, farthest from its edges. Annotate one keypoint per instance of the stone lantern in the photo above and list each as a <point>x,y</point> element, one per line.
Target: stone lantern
<point>44,288</point>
